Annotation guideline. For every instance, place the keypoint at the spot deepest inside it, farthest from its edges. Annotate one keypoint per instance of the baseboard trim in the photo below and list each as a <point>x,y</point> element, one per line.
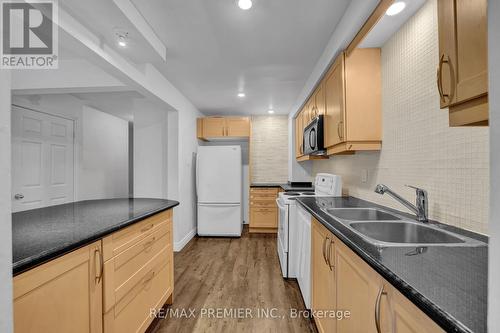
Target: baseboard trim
<point>178,246</point>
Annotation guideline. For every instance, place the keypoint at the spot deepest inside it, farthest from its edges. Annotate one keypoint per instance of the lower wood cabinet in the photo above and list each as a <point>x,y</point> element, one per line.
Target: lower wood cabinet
<point>109,286</point>
<point>61,296</point>
<point>352,285</point>
<point>263,209</point>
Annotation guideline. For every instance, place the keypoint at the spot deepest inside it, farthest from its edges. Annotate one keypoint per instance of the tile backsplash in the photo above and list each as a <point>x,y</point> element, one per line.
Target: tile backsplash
<point>419,148</point>
<point>268,157</point>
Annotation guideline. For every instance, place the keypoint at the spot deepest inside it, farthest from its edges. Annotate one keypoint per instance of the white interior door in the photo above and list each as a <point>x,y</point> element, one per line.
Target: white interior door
<point>42,160</point>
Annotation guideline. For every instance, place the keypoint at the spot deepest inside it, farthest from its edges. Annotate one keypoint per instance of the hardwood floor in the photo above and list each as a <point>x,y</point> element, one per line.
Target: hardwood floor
<point>232,273</point>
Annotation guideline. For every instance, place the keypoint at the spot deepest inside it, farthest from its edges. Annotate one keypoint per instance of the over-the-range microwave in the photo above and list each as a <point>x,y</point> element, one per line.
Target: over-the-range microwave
<point>313,137</point>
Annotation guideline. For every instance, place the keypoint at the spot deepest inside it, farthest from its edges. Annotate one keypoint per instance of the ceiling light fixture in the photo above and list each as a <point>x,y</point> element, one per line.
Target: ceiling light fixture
<point>241,95</point>
<point>271,111</point>
<point>395,8</point>
<point>245,4</point>
<point>121,38</point>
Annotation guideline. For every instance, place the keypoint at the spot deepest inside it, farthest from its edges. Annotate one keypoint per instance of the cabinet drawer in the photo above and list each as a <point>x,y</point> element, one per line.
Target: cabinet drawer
<point>119,241</point>
<point>125,265</point>
<point>150,290</point>
<point>263,217</point>
<point>263,203</point>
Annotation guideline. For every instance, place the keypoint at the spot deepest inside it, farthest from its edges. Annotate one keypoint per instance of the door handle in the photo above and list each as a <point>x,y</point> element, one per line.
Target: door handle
<point>377,308</point>
<point>442,60</point>
<point>329,252</point>
<point>19,196</point>
<point>98,255</point>
<point>338,129</point>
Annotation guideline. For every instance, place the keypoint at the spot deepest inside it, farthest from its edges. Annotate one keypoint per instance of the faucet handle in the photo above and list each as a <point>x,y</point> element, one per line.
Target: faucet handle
<point>416,188</point>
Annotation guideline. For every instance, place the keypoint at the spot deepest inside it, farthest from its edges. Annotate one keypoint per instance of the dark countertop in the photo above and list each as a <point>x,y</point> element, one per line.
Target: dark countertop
<point>449,284</point>
<point>285,187</point>
<point>42,234</point>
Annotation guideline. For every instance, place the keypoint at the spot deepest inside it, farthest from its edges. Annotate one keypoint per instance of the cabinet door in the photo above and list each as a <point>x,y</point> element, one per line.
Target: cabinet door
<point>214,127</point>
<point>319,99</point>
<point>334,104</point>
<point>463,48</point>
<point>263,217</point>
<point>299,134</point>
<point>63,295</point>
<point>357,289</point>
<point>323,277</point>
<point>406,317</point>
<point>238,126</point>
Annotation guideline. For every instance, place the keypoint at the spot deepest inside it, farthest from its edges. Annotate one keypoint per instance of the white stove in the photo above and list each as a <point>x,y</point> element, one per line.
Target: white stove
<point>294,229</point>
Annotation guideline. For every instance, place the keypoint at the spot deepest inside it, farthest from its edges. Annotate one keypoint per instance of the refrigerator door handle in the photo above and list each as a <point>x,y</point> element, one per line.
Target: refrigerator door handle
<point>197,180</point>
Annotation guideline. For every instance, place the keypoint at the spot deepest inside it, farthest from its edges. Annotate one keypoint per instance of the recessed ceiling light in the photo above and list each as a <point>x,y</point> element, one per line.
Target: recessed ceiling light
<point>395,8</point>
<point>241,95</point>
<point>121,38</point>
<point>271,111</point>
<point>245,4</point>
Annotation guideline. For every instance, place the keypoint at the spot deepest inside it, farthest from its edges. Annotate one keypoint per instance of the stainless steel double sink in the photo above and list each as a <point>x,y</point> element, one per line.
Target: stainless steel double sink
<point>385,229</point>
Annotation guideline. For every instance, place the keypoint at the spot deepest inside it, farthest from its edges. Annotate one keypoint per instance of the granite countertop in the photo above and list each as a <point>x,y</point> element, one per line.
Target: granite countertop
<point>42,234</point>
<point>449,284</point>
<point>285,187</point>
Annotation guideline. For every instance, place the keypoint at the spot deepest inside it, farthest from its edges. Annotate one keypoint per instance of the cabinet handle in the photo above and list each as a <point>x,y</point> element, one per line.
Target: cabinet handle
<point>439,79</point>
<point>149,243</point>
<point>329,253</point>
<point>149,277</point>
<point>377,307</point>
<point>147,228</point>
<point>324,250</point>
<point>339,128</point>
<point>98,277</point>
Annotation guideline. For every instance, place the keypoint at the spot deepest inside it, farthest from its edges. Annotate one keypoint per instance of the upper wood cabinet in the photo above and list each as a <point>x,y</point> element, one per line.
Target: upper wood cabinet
<point>350,99</point>
<point>462,74</point>
<point>223,127</point>
<point>63,295</point>
<point>353,102</point>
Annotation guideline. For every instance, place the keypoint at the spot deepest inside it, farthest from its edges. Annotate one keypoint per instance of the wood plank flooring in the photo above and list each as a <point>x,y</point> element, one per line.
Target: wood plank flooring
<point>232,273</point>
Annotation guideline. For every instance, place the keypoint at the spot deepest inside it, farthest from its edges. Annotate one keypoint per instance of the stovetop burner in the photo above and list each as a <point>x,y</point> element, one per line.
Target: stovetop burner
<point>291,194</point>
<point>307,193</point>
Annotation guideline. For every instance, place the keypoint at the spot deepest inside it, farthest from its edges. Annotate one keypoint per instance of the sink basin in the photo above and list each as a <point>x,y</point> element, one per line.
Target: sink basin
<point>405,233</point>
<point>361,214</point>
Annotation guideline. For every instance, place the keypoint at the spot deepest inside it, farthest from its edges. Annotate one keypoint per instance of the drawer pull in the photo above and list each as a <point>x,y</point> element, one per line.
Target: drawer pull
<point>149,277</point>
<point>149,243</point>
<point>149,227</point>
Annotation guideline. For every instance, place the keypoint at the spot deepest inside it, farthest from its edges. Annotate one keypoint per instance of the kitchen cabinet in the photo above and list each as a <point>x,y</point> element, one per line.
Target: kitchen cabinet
<point>349,98</point>
<point>63,295</point>
<point>462,74</point>
<point>111,285</point>
<point>263,209</point>
<point>138,276</point>
<point>341,280</point>
<point>209,128</point>
<point>353,103</point>
<point>323,296</point>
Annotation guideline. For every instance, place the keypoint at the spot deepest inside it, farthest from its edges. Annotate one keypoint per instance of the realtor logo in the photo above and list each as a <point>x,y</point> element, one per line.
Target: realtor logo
<point>29,34</point>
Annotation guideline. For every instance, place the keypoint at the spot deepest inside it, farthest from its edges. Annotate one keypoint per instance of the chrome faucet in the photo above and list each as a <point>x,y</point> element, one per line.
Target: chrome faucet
<point>420,209</point>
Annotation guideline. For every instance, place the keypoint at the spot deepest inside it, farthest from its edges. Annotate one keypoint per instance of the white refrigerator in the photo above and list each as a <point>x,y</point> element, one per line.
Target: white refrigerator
<point>219,190</point>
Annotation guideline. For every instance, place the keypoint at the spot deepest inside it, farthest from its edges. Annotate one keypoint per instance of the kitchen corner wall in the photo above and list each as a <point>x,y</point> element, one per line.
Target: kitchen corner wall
<point>419,148</point>
<point>268,153</point>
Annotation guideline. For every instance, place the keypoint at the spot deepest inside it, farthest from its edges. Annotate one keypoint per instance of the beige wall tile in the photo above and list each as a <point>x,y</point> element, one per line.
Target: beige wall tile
<point>268,149</point>
<point>419,148</point>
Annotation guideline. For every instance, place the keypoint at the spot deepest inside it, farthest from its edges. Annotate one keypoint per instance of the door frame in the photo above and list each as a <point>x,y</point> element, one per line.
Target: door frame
<point>75,122</point>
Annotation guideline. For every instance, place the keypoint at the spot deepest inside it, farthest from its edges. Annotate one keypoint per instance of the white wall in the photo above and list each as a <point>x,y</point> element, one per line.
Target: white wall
<point>5,207</point>
<point>494,99</point>
<point>103,167</point>
<point>150,151</point>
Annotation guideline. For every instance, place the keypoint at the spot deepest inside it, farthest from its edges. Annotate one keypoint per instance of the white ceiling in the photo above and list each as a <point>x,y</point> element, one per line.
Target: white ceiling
<point>215,49</point>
